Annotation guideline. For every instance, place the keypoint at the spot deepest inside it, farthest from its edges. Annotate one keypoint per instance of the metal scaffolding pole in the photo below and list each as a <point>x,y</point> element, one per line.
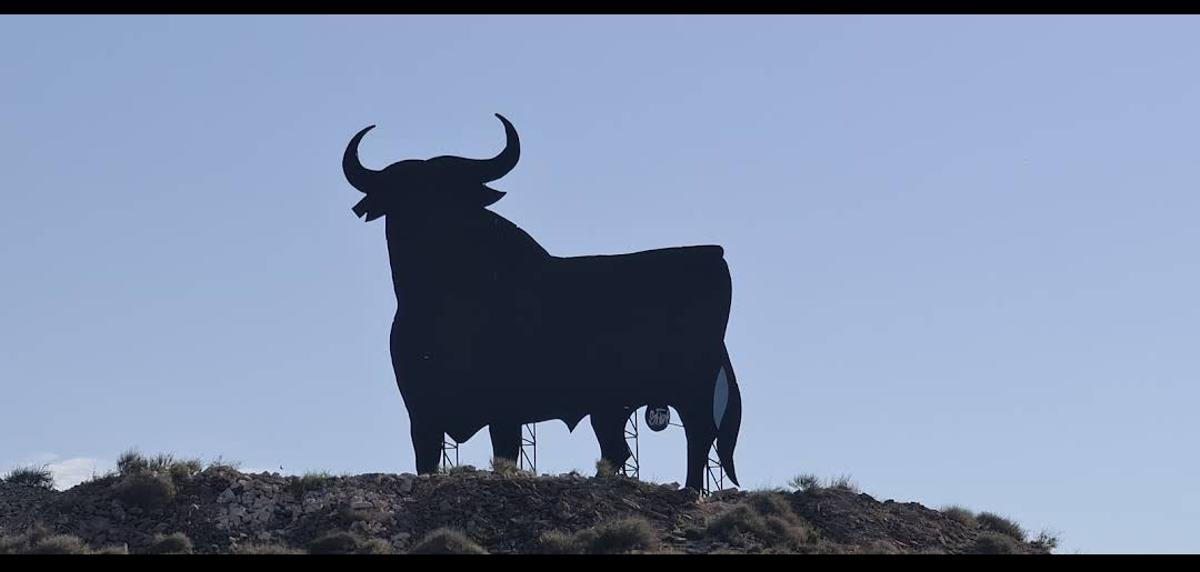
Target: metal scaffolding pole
<point>528,456</point>
<point>631,468</point>
<point>449,453</point>
<point>714,473</point>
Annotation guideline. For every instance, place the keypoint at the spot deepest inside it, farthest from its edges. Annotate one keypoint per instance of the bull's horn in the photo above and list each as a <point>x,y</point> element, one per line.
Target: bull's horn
<point>359,176</point>
<point>485,170</point>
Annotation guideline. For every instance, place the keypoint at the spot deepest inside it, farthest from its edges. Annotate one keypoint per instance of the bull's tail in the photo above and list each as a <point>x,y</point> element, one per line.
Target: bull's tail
<point>728,417</point>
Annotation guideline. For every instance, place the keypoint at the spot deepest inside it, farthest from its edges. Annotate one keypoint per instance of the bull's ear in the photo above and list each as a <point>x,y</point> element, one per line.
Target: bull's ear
<point>368,209</point>
<point>488,195</point>
<point>360,209</point>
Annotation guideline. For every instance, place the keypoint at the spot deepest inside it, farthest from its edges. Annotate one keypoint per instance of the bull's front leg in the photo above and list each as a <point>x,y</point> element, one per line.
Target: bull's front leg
<point>414,375</point>
<point>506,440</point>
<point>427,442</point>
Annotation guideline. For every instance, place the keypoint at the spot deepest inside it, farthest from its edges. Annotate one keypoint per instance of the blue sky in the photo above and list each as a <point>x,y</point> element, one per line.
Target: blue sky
<point>963,248</point>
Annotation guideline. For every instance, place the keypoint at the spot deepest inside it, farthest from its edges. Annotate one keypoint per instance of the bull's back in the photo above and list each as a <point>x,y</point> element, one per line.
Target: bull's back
<point>649,281</point>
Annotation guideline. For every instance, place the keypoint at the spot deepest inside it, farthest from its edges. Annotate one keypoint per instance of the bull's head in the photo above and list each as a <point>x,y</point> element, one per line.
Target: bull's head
<point>440,182</point>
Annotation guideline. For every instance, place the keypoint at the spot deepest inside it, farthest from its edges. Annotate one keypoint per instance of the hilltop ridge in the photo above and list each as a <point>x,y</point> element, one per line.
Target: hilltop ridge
<point>177,506</point>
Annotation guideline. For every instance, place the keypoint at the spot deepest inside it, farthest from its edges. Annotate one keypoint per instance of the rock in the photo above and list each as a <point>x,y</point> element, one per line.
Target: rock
<point>724,495</point>
<point>361,505</point>
<point>226,496</point>
<point>562,509</point>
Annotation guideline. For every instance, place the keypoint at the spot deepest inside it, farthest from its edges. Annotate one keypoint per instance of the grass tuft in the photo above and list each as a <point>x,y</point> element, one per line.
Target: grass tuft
<point>446,541</point>
<point>1045,541</point>
<point>618,536</point>
<point>272,548</point>
<point>765,516</point>
<point>809,482</point>
<point>334,543</point>
<point>147,490</point>
<point>989,542</point>
<point>59,544</point>
<point>996,523</point>
<point>963,515</point>
<point>605,468</point>
<point>507,467</point>
<point>310,481</point>
<point>176,543</point>
<point>39,540</point>
<point>39,477</point>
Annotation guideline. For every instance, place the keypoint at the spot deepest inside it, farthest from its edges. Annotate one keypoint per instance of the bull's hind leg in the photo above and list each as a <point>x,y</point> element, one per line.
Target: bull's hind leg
<point>695,409</point>
<point>700,433</point>
<point>506,440</point>
<point>609,426</point>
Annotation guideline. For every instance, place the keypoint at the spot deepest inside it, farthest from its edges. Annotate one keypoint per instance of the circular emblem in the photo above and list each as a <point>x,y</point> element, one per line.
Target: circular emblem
<point>658,417</point>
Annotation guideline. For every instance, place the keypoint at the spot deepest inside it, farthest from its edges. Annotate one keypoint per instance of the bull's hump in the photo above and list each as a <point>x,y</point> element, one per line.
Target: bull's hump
<point>708,251</point>
<point>699,249</point>
<point>713,250</point>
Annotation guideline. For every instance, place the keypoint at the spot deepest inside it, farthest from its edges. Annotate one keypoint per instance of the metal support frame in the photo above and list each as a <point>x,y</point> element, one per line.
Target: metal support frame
<point>527,460</point>
<point>714,473</point>
<point>632,468</point>
<point>449,452</point>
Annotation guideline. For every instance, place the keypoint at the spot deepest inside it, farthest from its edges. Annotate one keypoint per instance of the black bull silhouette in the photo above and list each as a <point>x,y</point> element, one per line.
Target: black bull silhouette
<point>491,329</point>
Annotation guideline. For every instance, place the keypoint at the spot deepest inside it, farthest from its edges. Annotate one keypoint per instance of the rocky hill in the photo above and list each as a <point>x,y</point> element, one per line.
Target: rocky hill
<point>169,506</point>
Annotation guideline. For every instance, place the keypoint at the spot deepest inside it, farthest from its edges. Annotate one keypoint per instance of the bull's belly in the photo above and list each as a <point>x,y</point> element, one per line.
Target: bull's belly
<point>543,388</point>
